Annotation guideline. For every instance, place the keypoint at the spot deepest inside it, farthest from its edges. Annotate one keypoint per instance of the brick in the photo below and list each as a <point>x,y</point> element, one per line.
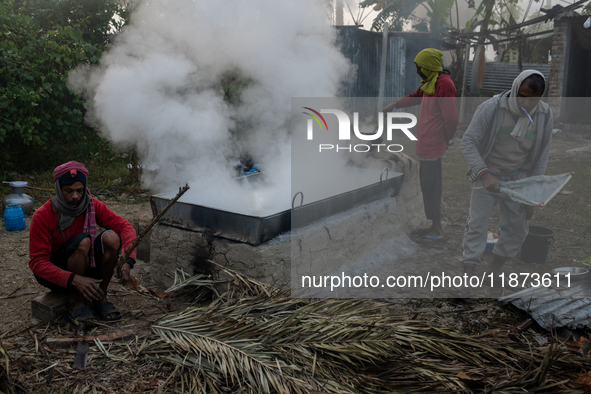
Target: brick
<point>49,306</point>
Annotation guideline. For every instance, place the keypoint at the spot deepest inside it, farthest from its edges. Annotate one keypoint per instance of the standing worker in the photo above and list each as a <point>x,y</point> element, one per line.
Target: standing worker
<point>508,139</point>
<point>436,126</point>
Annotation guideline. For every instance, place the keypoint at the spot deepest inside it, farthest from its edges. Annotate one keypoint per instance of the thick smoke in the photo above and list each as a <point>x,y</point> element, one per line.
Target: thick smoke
<point>193,84</point>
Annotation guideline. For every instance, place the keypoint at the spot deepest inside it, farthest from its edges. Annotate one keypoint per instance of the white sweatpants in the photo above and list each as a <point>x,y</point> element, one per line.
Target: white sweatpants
<point>513,224</point>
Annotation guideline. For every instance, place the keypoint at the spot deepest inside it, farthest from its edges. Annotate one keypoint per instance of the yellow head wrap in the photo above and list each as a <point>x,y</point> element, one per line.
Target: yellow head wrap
<point>429,61</point>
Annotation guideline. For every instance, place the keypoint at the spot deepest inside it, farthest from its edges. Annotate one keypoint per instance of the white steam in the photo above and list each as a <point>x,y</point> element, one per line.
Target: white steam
<point>160,89</point>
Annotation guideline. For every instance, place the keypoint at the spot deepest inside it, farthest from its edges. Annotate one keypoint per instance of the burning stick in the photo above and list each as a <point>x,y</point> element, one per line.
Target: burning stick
<point>123,258</point>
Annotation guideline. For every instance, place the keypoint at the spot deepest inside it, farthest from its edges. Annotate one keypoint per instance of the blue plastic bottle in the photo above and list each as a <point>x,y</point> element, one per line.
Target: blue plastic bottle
<point>14,218</point>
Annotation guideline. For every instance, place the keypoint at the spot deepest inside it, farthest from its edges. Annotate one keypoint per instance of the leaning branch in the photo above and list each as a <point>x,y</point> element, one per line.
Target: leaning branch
<point>123,258</point>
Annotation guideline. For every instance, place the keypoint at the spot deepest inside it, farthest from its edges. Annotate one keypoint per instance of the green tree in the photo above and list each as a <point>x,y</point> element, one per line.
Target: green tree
<point>397,12</point>
<point>393,12</point>
<point>40,41</point>
<point>94,19</point>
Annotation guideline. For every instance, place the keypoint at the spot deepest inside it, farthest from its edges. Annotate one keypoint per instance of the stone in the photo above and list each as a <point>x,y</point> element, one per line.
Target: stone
<point>172,248</point>
<point>370,239</point>
<point>49,306</point>
<point>269,262</point>
<point>143,249</point>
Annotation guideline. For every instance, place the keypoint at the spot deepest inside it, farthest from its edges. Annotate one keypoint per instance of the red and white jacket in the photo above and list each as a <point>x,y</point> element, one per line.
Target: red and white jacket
<point>45,239</point>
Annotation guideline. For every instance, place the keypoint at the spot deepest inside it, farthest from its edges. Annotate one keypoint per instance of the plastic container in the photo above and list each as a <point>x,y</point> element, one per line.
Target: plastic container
<point>14,218</point>
<point>536,245</point>
<point>18,197</point>
<point>491,240</point>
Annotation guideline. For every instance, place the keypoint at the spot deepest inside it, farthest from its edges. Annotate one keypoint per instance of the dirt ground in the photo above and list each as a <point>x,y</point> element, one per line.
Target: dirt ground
<point>18,286</point>
<point>568,215</point>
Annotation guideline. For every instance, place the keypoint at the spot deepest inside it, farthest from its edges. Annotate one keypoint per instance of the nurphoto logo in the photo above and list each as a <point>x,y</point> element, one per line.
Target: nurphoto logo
<point>344,130</point>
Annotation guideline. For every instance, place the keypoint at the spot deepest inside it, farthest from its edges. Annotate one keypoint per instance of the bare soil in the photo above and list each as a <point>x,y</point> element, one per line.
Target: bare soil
<point>568,215</point>
<point>18,285</point>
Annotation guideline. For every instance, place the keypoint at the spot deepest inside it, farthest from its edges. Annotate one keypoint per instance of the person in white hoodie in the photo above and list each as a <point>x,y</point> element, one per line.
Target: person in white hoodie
<point>508,139</point>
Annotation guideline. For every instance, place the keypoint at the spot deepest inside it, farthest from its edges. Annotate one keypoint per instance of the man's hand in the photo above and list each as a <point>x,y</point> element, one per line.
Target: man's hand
<point>125,272</point>
<point>529,210</point>
<point>389,108</point>
<point>491,183</point>
<point>88,287</point>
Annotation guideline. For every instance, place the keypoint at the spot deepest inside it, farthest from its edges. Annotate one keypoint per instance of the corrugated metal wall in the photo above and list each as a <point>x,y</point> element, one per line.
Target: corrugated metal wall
<point>499,77</point>
<point>395,67</point>
<point>364,49</point>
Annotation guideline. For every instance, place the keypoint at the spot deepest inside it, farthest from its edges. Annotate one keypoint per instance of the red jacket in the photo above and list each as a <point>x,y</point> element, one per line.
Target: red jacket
<point>45,239</point>
<point>438,117</point>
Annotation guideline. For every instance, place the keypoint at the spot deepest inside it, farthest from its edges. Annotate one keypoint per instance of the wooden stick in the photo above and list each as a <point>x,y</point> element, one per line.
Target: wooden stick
<point>123,258</point>
<point>38,188</point>
<point>59,343</point>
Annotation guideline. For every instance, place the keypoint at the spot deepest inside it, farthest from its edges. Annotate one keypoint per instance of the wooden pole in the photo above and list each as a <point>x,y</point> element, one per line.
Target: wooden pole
<point>464,78</point>
<point>123,258</point>
<point>382,86</point>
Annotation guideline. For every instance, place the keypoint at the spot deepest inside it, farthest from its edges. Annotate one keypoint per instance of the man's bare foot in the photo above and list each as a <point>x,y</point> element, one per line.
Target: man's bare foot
<point>436,230</point>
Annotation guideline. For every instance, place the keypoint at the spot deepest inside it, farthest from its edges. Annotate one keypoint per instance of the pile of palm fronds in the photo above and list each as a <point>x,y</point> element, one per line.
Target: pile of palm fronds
<point>256,339</point>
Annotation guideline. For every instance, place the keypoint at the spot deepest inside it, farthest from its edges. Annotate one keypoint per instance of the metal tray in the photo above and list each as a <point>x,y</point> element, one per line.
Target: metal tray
<point>255,229</point>
<point>308,213</point>
<point>234,226</point>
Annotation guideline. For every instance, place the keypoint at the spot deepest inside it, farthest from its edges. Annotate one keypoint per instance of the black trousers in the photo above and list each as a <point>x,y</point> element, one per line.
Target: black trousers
<point>431,177</point>
<point>61,256</point>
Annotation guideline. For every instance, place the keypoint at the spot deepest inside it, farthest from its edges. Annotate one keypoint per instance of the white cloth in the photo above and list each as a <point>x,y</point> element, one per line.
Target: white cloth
<point>523,120</point>
<point>535,190</point>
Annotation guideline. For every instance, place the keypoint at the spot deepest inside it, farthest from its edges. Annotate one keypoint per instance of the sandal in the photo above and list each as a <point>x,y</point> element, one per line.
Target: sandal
<point>108,311</point>
<point>428,239</point>
<point>82,314</point>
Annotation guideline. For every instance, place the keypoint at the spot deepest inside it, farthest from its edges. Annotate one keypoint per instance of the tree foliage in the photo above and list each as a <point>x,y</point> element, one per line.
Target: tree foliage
<point>40,42</point>
<point>393,12</point>
<point>397,12</point>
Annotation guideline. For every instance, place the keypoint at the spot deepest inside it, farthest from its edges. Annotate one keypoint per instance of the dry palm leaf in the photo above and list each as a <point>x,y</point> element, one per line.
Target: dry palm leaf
<point>256,339</point>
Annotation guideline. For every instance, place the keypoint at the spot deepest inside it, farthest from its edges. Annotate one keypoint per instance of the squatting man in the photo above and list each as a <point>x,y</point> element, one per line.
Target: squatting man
<point>66,253</point>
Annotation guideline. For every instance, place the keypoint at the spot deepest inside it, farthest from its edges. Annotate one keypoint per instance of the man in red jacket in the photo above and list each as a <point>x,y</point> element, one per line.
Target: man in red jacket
<point>67,255</point>
<point>436,125</point>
